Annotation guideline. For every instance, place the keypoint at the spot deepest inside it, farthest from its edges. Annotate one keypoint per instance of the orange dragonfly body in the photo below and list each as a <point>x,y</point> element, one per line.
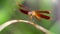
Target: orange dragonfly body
<point>35,13</point>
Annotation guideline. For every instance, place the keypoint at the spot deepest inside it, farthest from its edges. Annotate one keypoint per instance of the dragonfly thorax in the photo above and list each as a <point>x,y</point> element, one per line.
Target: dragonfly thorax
<point>33,13</point>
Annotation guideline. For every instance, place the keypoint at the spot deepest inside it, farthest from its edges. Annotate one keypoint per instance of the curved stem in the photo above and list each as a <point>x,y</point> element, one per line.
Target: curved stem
<point>14,21</point>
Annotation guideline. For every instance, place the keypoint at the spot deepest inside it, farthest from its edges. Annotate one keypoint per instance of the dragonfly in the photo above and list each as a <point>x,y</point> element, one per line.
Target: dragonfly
<point>38,14</point>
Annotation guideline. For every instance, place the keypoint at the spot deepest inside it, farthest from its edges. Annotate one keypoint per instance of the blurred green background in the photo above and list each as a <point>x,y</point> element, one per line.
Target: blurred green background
<point>9,11</point>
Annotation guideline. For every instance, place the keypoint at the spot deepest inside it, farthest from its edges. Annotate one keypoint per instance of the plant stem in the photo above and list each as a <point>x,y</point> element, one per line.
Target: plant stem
<point>25,21</point>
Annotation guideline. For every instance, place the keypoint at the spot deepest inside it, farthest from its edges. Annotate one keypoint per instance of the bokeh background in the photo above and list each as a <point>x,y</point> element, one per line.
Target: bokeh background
<point>9,11</point>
